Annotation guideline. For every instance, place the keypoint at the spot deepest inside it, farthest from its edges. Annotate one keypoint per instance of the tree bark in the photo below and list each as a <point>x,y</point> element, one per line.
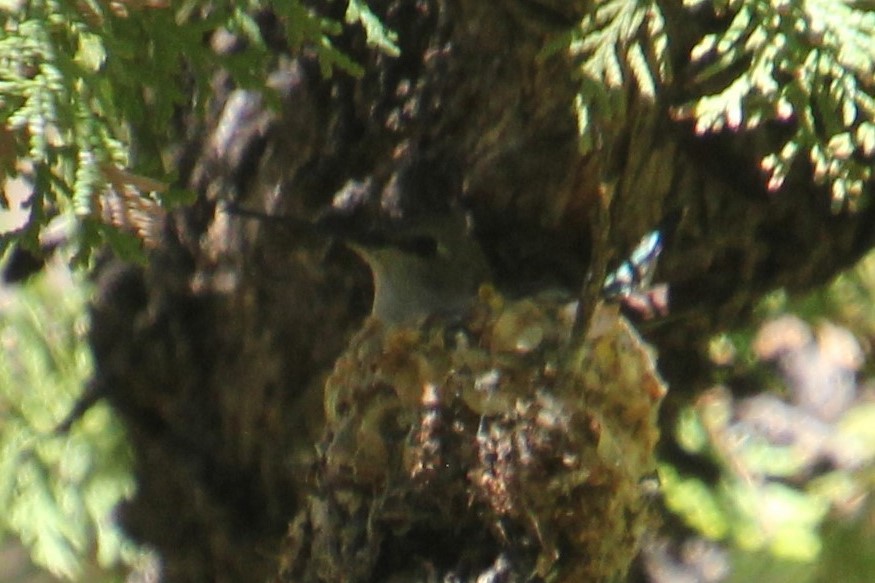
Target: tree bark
<point>227,354</point>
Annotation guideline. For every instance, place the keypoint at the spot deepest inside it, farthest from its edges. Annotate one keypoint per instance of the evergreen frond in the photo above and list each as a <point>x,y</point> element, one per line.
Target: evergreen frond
<point>620,42</point>
<point>57,491</point>
<point>807,64</point>
<point>90,86</point>
<point>377,34</point>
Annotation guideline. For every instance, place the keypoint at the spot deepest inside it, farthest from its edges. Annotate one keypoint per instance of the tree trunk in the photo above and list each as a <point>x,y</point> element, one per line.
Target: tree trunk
<point>280,433</point>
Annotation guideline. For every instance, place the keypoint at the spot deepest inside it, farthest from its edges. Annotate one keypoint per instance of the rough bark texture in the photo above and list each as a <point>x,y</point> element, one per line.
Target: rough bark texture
<point>216,354</point>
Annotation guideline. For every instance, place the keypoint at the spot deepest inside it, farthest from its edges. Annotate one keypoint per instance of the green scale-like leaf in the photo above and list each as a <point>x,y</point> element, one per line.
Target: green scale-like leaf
<point>621,42</point>
<point>808,64</point>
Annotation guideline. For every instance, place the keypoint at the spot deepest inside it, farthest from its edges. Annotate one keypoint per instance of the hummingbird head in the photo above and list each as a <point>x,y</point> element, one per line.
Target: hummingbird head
<point>430,265</point>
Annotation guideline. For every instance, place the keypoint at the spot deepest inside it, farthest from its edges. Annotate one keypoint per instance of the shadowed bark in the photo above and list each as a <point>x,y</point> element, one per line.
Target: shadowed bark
<point>217,353</point>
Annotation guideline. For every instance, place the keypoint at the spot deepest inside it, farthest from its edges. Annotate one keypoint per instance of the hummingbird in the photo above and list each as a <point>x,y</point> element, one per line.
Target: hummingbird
<point>430,264</point>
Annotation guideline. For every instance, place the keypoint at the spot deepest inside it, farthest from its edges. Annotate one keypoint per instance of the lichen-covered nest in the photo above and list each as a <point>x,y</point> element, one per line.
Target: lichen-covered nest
<point>544,442</point>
